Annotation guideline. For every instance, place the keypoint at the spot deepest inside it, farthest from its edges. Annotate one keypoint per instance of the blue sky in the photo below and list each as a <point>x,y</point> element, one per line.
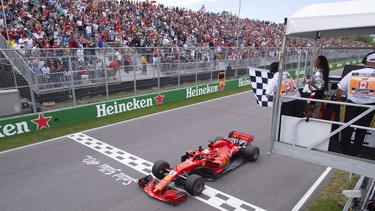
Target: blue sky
<point>272,10</point>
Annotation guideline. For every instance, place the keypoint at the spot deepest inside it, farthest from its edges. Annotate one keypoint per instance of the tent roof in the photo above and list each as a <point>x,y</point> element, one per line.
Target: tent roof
<point>333,19</point>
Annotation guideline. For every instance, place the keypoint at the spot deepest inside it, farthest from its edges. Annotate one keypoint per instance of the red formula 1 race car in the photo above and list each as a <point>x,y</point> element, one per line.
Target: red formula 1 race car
<point>221,156</point>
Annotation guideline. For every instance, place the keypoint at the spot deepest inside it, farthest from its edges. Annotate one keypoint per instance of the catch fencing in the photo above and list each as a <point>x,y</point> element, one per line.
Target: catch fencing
<point>63,77</point>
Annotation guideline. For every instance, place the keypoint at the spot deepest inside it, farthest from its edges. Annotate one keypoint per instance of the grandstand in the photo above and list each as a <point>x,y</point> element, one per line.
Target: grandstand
<point>61,23</point>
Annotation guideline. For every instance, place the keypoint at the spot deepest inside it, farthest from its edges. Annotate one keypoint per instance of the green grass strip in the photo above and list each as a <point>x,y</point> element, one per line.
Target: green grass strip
<point>331,198</point>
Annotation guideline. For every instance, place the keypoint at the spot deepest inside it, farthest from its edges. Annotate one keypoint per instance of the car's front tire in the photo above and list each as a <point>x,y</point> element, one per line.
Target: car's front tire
<point>160,169</point>
<point>194,185</point>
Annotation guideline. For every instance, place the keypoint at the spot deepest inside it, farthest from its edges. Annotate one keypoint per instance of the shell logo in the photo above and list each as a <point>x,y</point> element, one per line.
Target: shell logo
<point>225,161</point>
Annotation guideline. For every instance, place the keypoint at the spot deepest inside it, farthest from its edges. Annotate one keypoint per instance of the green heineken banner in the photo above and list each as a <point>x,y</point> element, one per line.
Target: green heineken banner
<point>51,119</point>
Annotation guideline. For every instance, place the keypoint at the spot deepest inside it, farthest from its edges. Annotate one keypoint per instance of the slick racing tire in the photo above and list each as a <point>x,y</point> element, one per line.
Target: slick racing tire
<point>160,169</point>
<point>194,185</point>
<point>251,153</point>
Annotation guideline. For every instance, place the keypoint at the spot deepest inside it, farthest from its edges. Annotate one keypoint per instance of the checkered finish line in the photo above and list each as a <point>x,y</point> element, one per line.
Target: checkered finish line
<point>210,196</point>
<point>259,80</point>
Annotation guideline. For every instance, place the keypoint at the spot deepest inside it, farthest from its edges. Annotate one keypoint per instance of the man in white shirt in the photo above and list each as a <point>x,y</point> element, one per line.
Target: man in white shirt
<point>22,42</point>
<point>289,107</point>
<point>118,56</point>
<point>29,42</point>
<point>88,31</point>
<point>80,54</point>
<point>359,86</point>
<point>80,25</point>
<point>98,68</point>
<point>46,74</point>
<point>38,35</point>
<point>40,64</point>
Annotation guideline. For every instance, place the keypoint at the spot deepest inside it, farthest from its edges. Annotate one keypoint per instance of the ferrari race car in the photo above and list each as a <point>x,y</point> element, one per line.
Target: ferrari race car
<point>221,156</point>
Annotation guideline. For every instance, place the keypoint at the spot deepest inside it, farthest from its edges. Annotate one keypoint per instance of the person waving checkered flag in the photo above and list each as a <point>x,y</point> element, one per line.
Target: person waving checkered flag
<point>259,79</point>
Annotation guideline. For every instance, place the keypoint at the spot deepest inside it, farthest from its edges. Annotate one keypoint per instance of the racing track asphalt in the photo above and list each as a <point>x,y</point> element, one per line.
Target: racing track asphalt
<point>95,169</point>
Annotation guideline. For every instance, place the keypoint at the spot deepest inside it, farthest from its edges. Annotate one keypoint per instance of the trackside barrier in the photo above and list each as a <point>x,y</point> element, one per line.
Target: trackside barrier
<point>116,72</point>
<point>51,119</point>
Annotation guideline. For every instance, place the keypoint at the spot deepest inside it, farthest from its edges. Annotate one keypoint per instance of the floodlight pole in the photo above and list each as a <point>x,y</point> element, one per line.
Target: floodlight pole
<point>238,20</point>
<point>315,51</point>
<point>239,8</point>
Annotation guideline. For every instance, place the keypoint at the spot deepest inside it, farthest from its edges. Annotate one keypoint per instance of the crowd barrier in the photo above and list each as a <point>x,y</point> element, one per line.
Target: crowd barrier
<point>87,75</point>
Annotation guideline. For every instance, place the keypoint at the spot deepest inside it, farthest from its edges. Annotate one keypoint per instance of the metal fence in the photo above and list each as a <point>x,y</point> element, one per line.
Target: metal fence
<point>56,78</point>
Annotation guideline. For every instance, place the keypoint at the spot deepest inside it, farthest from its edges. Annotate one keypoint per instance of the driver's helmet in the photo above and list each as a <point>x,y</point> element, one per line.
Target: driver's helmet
<point>206,152</point>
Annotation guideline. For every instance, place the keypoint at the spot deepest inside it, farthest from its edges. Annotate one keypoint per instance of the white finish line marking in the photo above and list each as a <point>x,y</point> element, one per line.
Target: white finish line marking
<point>210,196</point>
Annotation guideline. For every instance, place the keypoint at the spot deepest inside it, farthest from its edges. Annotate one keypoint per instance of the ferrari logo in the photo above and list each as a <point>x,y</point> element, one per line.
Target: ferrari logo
<point>203,163</point>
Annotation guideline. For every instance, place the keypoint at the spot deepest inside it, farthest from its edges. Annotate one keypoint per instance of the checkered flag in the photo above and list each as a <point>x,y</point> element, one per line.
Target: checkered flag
<point>259,79</point>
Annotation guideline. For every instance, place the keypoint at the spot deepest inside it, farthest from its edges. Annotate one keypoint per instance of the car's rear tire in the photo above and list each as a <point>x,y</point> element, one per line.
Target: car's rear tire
<point>251,153</point>
<point>194,185</point>
<point>160,169</point>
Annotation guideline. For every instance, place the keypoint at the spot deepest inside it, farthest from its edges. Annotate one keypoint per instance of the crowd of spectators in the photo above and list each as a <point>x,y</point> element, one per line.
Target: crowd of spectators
<point>75,24</point>
<point>36,24</point>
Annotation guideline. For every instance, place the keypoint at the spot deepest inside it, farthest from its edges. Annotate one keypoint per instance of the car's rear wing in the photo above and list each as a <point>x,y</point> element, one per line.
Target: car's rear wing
<point>242,136</point>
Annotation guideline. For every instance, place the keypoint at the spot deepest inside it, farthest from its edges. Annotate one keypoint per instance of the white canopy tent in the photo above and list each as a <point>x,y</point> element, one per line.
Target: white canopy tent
<point>324,21</point>
<point>333,19</point>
